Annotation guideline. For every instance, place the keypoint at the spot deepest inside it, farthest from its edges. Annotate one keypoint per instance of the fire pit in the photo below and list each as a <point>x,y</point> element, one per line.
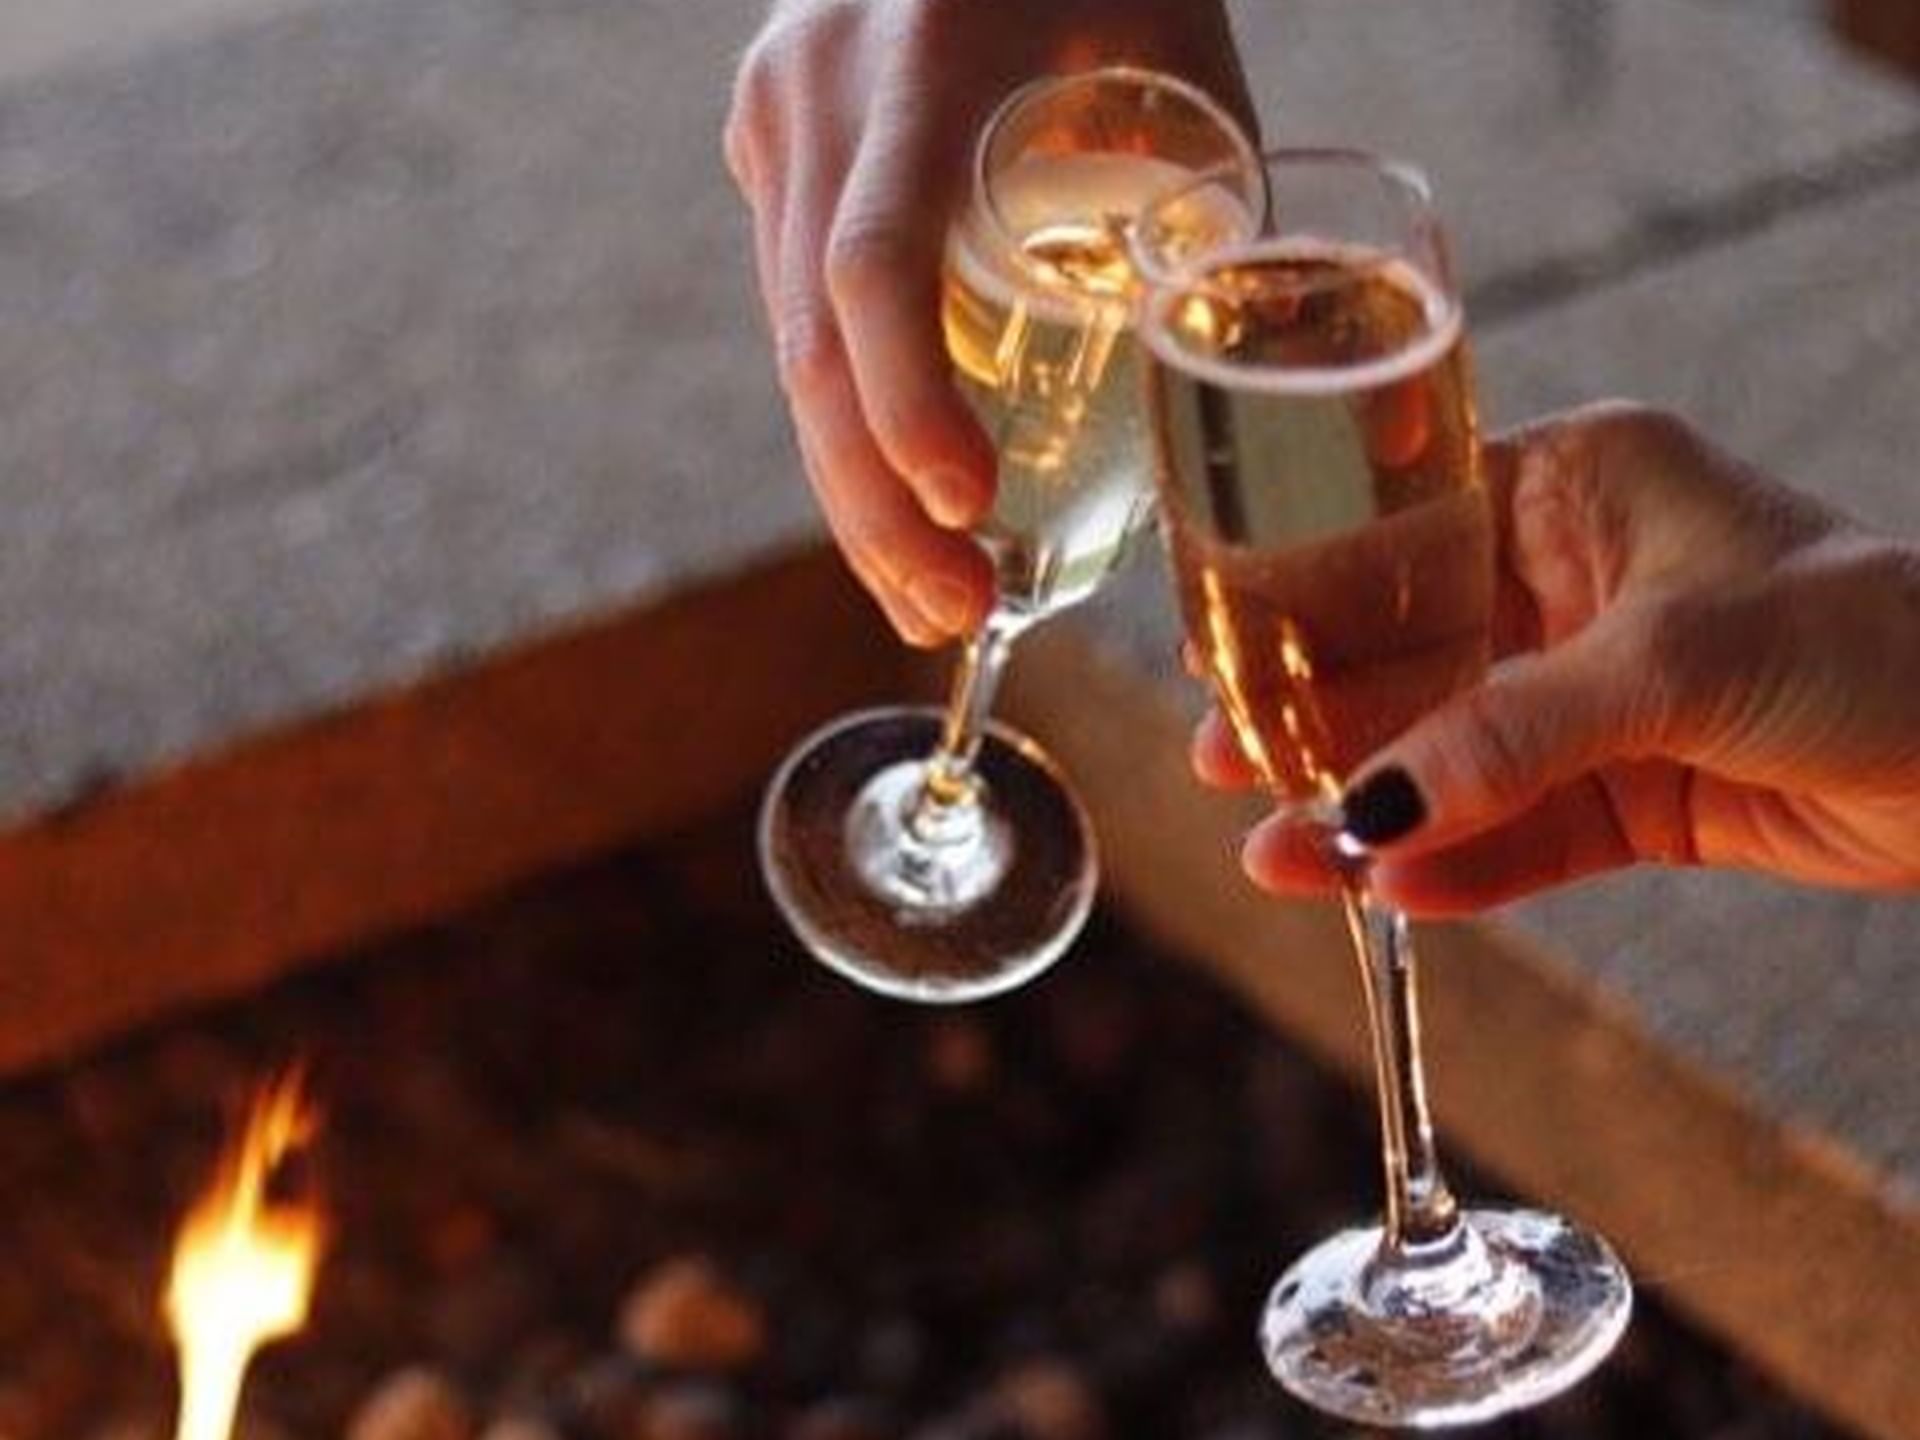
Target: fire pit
<point>605,1160</point>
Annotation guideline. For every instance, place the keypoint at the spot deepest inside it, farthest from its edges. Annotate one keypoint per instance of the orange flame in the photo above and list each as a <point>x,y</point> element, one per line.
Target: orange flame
<point>243,1264</point>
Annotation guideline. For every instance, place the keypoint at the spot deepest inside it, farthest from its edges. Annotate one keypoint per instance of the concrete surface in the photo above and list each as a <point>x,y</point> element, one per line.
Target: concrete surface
<point>343,342</point>
<point>36,39</point>
<point>344,345</point>
<point>1801,349</point>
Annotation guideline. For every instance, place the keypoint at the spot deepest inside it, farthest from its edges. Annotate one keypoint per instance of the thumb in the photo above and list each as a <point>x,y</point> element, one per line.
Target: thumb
<point>1490,753</point>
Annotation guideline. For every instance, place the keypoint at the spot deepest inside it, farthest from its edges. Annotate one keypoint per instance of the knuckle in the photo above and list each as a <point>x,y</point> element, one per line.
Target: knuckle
<point>1670,666</point>
<point>854,535</point>
<point>1628,436</point>
<point>1494,758</point>
<point>755,87</point>
<point>1621,425</point>
<point>1662,640</point>
<point>784,68</point>
<point>866,259</point>
<point>748,122</point>
<point>737,146</point>
<point>807,354</point>
<point>875,541</point>
<point>807,43</point>
<point>861,561</point>
<point>1617,412</point>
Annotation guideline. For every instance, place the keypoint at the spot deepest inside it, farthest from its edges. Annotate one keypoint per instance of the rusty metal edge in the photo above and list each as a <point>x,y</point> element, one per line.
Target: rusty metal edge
<point>288,847</point>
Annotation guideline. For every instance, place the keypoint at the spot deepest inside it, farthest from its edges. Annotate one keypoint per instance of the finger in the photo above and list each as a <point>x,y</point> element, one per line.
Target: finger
<point>765,189</point>
<point>1574,832</point>
<point>754,146</point>
<point>1759,827</point>
<point>752,122</point>
<point>769,223</point>
<point>1570,833</point>
<point>910,562</point>
<point>1216,755</point>
<point>1288,858</point>
<point>883,272</point>
<point>1516,613</point>
<point>905,618</point>
<point>1485,757</point>
<point>912,565</point>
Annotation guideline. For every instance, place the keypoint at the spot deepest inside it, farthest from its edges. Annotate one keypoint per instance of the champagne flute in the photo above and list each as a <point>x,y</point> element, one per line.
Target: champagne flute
<point>1318,459</point>
<point>941,857</point>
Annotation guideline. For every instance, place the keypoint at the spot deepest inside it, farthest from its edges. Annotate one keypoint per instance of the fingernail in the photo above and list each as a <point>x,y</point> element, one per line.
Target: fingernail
<point>1382,808</point>
<point>946,603</point>
<point>953,498</point>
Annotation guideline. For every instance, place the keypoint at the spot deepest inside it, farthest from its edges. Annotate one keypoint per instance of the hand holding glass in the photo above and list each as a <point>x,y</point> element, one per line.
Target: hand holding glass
<point>1319,467</point>
<point>939,857</point>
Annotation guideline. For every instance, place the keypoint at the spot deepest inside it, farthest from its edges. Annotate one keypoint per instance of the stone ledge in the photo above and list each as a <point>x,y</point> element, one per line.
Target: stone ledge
<point>208,879</point>
<point>348,342</point>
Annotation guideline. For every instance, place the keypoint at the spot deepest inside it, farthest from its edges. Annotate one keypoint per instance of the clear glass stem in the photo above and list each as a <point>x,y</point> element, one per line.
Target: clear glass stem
<point>1421,1213</point>
<point>976,683</point>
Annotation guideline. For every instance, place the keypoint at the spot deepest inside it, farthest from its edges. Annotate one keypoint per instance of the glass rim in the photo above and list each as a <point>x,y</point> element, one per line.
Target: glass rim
<point>1163,285</point>
<point>1402,176</point>
<point>1248,161</point>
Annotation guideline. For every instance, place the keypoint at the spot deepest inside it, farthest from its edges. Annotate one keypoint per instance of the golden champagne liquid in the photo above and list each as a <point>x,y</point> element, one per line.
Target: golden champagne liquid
<point>1044,352</point>
<point>1318,460</point>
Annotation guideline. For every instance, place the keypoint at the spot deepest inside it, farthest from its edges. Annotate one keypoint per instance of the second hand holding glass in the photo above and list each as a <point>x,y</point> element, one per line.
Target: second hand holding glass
<point>939,857</point>
<point>1320,472</point>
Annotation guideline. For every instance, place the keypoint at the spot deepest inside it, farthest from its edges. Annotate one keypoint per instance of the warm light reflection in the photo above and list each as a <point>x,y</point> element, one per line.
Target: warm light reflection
<point>1231,681</point>
<point>243,1264</point>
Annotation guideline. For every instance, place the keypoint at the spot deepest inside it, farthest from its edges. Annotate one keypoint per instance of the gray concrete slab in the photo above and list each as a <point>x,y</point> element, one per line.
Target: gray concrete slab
<point>1800,349</point>
<point>347,341</point>
<point>338,347</point>
<point>1568,137</point>
<point>37,38</point>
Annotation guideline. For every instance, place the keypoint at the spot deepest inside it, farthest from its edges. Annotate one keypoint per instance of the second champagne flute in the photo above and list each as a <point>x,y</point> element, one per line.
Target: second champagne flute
<point>1320,471</point>
<point>936,856</point>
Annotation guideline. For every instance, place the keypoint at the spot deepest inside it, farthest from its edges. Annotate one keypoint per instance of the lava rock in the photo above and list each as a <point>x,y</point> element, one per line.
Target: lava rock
<point>960,1057</point>
<point>684,1314</point>
<point>1051,1399</point>
<point>412,1404</point>
<point>520,1426</point>
<point>1185,1297</point>
<point>974,1422</point>
<point>843,1417</point>
<point>606,1399</point>
<point>893,1354</point>
<point>474,1318</point>
<point>693,1410</point>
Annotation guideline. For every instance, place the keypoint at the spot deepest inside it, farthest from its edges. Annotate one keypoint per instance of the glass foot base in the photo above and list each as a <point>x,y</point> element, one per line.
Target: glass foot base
<point>956,914</point>
<point>1521,1308</point>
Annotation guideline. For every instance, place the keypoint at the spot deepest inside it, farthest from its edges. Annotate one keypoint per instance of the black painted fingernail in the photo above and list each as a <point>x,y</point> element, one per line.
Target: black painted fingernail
<point>1382,808</point>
